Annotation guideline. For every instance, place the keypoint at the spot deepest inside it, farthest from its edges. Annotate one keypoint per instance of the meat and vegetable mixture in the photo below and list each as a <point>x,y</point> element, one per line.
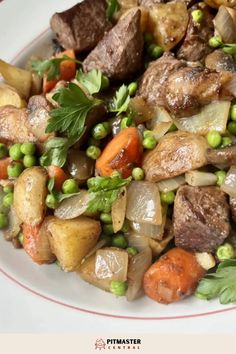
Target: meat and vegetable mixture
<point>118,154</point>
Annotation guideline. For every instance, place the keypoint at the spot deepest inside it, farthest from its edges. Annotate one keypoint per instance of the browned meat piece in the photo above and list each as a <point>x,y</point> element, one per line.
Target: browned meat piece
<point>201,218</point>
<point>14,125</point>
<point>220,61</point>
<point>175,154</point>
<point>82,26</point>
<point>188,89</point>
<point>232,203</point>
<point>150,3</point>
<point>224,156</point>
<point>152,84</point>
<point>38,109</point>
<point>119,53</point>
<point>195,45</point>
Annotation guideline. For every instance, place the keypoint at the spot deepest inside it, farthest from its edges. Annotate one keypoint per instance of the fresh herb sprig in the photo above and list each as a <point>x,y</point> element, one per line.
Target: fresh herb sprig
<point>112,8</point>
<point>220,284</point>
<point>50,67</point>
<point>120,102</point>
<point>74,107</point>
<point>59,196</point>
<point>93,81</point>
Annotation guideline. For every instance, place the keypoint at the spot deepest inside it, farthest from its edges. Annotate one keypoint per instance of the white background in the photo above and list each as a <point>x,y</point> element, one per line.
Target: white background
<point>20,311</point>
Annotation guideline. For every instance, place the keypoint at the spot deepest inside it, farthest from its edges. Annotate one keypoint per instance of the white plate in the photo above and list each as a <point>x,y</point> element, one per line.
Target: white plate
<point>48,281</point>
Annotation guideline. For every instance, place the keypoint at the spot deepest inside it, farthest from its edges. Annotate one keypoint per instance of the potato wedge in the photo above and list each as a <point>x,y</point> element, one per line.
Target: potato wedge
<point>10,96</point>
<point>71,240</point>
<point>217,3</point>
<point>29,195</point>
<point>18,78</point>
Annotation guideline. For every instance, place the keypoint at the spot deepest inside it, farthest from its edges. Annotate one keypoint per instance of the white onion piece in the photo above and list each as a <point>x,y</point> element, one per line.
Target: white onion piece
<point>161,123</point>
<point>231,85</point>
<point>137,241</point>
<point>225,24</point>
<point>72,207</point>
<point>143,203</point>
<point>229,185</point>
<point>142,111</point>
<point>111,263</point>
<point>138,265</point>
<point>171,184</point>
<point>158,247</point>
<point>99,245</point>
<point>213,116</point>
<point>198,178</point>
<point>206,260</point>
<point>118,210</point>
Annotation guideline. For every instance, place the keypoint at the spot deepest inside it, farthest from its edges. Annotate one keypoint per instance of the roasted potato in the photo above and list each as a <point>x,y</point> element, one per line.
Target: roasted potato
<point>30,194</point>
<point>71,240</point>
<point>10,96</point>
<point>218,3</point>
<point>18,78</point>
<point>124,10</point>
<point>168,23</point>
<point>175,154</point>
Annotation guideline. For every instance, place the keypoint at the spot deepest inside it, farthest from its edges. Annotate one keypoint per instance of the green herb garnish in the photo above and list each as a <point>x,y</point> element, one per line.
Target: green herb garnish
<point>92,80</point>
<point>120,102</point>
<point>112,8</point>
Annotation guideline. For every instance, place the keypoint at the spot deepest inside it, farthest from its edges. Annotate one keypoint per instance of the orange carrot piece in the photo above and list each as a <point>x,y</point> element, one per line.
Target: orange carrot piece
<point>174,276</point>
<point>67,69</point>
<point>4,163</point>
<point>121,154</point>
<point>58,174</point>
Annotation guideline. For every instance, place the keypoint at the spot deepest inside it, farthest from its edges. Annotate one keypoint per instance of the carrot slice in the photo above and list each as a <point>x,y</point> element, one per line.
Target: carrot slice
<point>121,154</point>
<point>67,70</point>
<point>4,163</point>
<point>58,174</point>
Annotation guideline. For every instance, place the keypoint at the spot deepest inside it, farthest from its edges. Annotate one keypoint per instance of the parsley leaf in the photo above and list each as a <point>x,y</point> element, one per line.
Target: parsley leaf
<point>51,67</point>
<point>61,196</point>
<point>92,80</point>
<point>104,191</point>
<point>220,284</point>
<point>71,115</point>
<point>56,151</point>
<point>112,7</point>
<point>121,101</point>
<point>51,184</point>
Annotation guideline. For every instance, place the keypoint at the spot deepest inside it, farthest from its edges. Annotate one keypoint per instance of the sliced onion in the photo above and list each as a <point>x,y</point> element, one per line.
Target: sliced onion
<point>137,241</point>
<point>118,210</point>
<point>229,185</point>
<point>213,116</point>
<point>138,265</point>
<point>161,123</point>
<point>111,263</point>
<point>141,110</point>
<point>143,203</point>
<point>198,178</point>
<point>99,245</point>
<point>231,85</point>
<point>225,24</point>
<point>171,184</point>
<point>79,165</point>
<point>158,247</point>
<point>72,207</point>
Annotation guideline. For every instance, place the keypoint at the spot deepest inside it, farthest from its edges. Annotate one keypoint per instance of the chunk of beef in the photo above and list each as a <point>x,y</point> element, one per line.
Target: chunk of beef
<point>119,53</point>
<point>150,3</point>
<point>152,84</point>
<point>195,45</point>
<point>188,89</point>
<point>82,26</point>
<point>232,203</point>
<point>220,61</point>
<point>175,154</point>
<point>224,156</point>
<point>201,218</point>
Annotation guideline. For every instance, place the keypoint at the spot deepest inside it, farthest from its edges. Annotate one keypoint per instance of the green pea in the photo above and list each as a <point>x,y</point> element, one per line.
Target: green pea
<point>8,188</point>
<point>28,148</point>
<point>125,227</point>
<point>138,174</point>
<point>3,221</point>
<point>8,200</point>
<point>226,140</point>
<point>232,127</point>
<point>126,122</point>
<point>172,128</point>
<point>3,151</point>
<point>197,16</point>
<point>106,218</point>
<point>147,134</point>
<point>225,251</point>
<point>120,241</point>
<point>233,112</point>
<point>229,49</point>
<point>149,143</point>
<point>15,152</point>
<point>105,82</point>
<point>157,52</point>
<point>93,152</point>
<point>106,238</point>
<point>51,201</point>
<point>118,288</point>
<point>108,229</point>
<point>132,251</point>
<point>132,88</point>
<point>29,161</point>
<point>168,197</point>
<point>148,37</point>
<point>215,42</point>
<point>70,186</point>
<point>99,131</point>
<point>15,169</point>
<point>221,175</point>
<point>214,138</point>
